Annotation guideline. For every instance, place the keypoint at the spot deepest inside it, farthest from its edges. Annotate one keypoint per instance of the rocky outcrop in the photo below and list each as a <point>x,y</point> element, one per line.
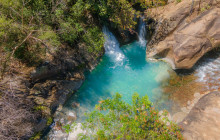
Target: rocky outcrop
<point>183,35</point>
<point>203,121</point>
<point>54,81</point>
<point>49,85</point>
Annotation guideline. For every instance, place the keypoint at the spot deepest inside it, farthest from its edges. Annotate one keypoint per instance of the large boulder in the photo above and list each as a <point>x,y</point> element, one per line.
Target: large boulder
<point>182,36</point>
<point>203,121</point>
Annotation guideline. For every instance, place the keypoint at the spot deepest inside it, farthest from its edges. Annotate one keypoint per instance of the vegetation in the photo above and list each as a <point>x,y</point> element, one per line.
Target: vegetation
<point>178,1</point>
<point>16,117</point>
<point>116,119</point>
<point>31,28</point>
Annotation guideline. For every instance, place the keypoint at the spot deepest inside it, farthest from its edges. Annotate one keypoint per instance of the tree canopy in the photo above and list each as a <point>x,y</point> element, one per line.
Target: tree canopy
<point>28,28</point>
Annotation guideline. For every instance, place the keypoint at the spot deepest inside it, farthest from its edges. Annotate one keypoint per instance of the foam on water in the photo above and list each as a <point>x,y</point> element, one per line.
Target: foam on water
<point>209,73</point>
<point>112,47</point>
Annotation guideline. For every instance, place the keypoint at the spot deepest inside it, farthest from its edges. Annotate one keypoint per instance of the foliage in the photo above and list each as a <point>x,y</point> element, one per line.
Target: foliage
<point>178,1</point>
<point>37,136</point>
<point>39,107</point>
<point>205,8</point>
<point>30,29</point>
<point>115,119</point>
<point>150,4</point>
<point>49,120</point>
<point>68,128</point>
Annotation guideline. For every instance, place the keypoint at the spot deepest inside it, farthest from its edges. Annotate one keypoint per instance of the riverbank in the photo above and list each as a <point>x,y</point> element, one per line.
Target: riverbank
<point>187,37</point>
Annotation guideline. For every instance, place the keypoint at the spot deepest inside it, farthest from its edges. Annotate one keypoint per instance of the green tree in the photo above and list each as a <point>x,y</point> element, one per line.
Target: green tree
<point>29,29</point>
<point>116,119</point>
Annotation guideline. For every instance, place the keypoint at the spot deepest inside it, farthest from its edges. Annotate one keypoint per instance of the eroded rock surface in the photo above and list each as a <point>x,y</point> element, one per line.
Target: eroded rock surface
<point>182,36</point>
<point>203,121</point>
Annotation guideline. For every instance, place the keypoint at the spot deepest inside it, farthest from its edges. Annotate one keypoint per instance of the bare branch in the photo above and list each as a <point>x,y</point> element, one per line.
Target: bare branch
<point>21,43</point>
<point>15,12</point>
<point>47,47</point>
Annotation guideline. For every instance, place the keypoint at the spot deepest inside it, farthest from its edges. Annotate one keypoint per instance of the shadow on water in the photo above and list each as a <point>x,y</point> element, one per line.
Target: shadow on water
<point>90,93</point>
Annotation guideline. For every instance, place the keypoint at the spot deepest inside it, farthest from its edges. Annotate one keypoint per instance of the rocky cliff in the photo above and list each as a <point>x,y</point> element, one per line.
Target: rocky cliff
<point>184,32</point>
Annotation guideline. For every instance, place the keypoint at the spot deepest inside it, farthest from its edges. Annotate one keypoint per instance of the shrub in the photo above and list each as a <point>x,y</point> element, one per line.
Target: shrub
<point>17,118</point>
<point>116,119</point>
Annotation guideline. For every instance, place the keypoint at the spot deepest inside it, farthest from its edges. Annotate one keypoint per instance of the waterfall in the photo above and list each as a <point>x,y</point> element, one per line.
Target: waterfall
<point>112,47</point>
<point>142,32</point>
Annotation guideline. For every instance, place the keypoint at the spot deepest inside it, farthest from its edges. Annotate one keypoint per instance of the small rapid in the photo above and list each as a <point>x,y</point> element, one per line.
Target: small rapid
<point>208,73</point>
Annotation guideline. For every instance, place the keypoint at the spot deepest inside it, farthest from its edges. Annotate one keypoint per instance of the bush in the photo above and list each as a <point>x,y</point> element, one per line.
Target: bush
<point>116,119</point>
<point>17,118</point>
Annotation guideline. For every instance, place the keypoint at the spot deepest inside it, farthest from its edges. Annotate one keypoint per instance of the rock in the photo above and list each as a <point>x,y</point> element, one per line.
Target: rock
<point>77,130</point>
<point>203,121</point>
<point>71,116</point>
<point>59,135</point>
<point>185,110</point>
<point>183,38</point>
<point>60,108</point>
<point>178,117</point>
<point>41,125</point>
<point>188,103</point>
<point>75,105</point>
<point>197,95</point>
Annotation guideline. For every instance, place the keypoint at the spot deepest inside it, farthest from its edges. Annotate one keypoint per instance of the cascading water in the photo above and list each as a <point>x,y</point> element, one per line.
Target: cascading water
<point>112,47</point>
<point>142,32</point>
<point>209,73</point>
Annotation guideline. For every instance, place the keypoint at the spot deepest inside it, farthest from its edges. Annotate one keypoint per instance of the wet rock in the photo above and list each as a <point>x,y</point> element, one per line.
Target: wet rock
<point>203,121</point>
<point>75,105</point>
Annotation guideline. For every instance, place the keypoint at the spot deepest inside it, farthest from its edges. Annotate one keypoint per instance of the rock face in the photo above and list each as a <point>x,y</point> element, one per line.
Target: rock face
<point>183,35</point>
<point>50,85</point>
<point>203,121</point>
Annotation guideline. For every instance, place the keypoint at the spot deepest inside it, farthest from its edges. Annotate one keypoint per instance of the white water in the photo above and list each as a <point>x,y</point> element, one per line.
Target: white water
<point>209,73</point>
<point>112,47</point>
<point>142,32</point>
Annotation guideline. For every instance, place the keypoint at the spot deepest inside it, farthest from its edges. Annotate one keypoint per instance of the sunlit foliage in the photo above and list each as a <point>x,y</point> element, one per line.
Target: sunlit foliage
<point>116,119</point>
